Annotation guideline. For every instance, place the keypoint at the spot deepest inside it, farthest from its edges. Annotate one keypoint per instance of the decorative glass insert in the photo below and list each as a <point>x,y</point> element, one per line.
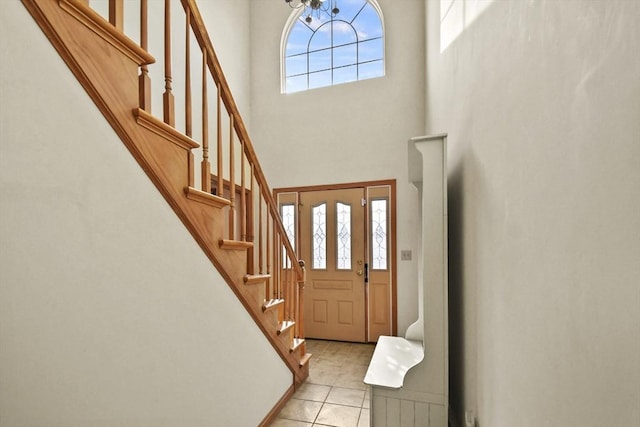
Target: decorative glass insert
<point>379,234</point>
<point>331,50</point>
<point>343,236</point>
<point>319,236</point>
<point>288,216</point>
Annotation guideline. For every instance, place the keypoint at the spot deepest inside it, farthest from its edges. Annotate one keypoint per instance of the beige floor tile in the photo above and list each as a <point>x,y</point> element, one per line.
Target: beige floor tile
<point>360,359</point>
<point>357,384</point>
<point>323,362</point>
<point>338,415</point>
<point>301,410</point>
<point>323,376</point>
<point>316,345</point>
<point>350,380</point>
<point>282,422</point>
<point>355,370</point>
<point>334,394</point>
<point>346,396</point>
<point>363,348</point>
<point>338,345</point>
<point>364,418</point>
<point>315,392</point>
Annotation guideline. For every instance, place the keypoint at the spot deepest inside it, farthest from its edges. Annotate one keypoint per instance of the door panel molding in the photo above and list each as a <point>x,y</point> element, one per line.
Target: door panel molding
<point>381,298</point>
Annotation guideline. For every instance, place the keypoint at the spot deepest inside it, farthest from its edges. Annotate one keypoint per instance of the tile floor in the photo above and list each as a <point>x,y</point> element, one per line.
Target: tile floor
<point>334,394</point>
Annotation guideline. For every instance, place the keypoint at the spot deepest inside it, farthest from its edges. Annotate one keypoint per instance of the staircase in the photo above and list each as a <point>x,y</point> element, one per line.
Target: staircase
<point>207,170</point>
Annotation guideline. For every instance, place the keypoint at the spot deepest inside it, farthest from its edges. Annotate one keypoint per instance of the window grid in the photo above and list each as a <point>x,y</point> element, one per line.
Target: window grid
<point>343,236</point>
<point>332,78</point>
<point>319,233</point>
<point>288,216</point>
<point>334,68</point>
<point>379,234</point>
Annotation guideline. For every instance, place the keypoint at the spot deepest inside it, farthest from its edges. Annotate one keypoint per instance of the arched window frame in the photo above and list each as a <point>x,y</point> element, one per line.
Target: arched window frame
<point>291,21</point>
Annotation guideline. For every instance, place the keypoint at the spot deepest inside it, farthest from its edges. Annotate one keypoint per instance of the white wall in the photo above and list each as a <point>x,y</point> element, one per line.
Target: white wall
<point>227,22</point>
<point>110,314</point>
<point>228,26</point>
<point>541,100</point>
<point>347,133</point>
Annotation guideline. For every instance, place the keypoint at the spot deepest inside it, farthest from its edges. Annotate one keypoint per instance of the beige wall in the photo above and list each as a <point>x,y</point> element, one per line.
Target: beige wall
<point>110,314</point>
<point>347,133</point>
<point>541,100</point>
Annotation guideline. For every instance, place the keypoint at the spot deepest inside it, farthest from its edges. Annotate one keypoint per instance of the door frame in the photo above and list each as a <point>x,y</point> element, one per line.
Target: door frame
<point>393,256</point>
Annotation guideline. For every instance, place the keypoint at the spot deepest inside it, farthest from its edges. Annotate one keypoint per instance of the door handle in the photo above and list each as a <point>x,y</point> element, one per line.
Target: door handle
<point>359,272</point>
<point>366,272</point>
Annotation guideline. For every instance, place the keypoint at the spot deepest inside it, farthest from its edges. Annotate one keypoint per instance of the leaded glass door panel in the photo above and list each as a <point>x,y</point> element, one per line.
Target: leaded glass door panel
<point>332,227</point>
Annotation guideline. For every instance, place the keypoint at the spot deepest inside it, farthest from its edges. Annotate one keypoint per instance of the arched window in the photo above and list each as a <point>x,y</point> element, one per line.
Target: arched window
<point>328,50</point>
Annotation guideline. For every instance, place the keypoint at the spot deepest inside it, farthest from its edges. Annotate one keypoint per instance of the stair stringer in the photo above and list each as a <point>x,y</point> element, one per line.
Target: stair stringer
<point>109,75</point>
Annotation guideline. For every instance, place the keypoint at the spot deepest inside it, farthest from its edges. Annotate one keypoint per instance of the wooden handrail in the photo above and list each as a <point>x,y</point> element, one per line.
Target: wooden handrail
<point>273,252</point>
<point>286,275</point>
<point>210,60</point>
<point>202,36</point>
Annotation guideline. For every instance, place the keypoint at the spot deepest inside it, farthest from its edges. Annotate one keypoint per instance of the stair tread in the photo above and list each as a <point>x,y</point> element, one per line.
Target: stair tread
<point>162,129</point>
<point>253,279</point>
<point>285,326</point>
<point>271,304</point>
<point>297,342</point>
<point>305,359</point>
<point>235,245</point>
<point>206,198</point>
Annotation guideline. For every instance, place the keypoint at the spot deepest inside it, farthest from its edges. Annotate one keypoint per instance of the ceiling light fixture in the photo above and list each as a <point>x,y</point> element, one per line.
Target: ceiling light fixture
<point>314,7</point>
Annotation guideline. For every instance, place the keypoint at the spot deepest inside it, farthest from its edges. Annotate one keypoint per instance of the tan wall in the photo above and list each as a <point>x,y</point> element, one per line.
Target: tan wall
<point>110,314</point>
<point>541,100</point>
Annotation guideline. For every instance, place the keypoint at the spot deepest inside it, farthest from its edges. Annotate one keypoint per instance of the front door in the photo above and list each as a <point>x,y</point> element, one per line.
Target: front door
<point>332,228</point>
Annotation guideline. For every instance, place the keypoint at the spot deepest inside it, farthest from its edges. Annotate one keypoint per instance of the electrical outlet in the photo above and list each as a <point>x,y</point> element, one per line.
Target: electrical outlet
<point>405,255</point>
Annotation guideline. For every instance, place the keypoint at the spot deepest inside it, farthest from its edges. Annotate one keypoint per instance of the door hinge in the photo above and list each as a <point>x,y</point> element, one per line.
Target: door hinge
<point>363,202</point>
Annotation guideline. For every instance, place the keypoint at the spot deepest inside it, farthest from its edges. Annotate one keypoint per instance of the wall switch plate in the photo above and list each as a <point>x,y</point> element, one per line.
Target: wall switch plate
<point>405,255</point>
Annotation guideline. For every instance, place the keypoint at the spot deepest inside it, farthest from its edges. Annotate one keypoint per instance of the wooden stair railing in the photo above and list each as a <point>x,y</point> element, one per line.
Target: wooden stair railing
<point>231,211</point>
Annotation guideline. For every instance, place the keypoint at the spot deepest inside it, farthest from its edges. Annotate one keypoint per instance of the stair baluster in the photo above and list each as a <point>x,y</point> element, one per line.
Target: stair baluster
<point>205,166</point>
<point>219,153</point>
<point>232,182</point>
<point>187,80</point>
<point>168,98</point>
<point>144,81</point>
<point>243,196</point>
<point>116,13</point>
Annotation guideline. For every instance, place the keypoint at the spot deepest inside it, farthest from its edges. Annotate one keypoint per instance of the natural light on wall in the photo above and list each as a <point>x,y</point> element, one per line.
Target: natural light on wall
<point>456,16</point>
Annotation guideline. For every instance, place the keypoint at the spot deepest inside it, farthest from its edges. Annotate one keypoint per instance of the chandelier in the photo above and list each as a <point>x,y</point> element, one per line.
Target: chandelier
<point>314,7</point>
